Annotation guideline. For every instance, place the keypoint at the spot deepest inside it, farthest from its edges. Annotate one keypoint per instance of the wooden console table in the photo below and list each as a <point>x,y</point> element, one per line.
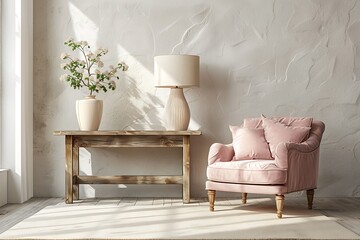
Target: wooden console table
<point>95,139</point>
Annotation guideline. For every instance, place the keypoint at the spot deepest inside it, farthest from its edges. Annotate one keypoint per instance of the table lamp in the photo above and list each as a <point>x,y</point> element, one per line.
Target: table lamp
<point>176,72</point>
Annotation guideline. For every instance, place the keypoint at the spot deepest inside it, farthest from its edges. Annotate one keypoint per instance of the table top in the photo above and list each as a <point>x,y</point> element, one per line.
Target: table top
<point>127,132</point>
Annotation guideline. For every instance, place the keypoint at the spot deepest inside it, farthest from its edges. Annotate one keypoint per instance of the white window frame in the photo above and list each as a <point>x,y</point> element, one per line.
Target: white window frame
<point>17,97</point>
<point>1,84</point>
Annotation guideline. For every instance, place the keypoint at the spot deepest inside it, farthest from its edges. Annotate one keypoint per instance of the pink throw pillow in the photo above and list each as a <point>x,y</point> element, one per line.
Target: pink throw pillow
<point>249,143</point>
<point>276,132</point>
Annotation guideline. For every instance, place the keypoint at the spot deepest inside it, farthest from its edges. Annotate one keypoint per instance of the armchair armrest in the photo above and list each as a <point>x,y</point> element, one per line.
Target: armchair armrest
<point>302,163</point>
<point>282,153</point>
<point>301,160</point>
<point>220,153</point>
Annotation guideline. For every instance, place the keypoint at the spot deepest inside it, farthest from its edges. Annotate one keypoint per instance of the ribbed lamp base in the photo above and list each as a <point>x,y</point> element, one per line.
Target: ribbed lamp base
<point>177,112</point>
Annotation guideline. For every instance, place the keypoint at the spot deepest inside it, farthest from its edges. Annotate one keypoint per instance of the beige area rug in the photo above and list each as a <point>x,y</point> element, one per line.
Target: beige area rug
<point>194,221</point>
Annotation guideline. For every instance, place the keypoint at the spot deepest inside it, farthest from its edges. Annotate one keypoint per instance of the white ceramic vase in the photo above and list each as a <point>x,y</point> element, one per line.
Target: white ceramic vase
<point>89,112</point>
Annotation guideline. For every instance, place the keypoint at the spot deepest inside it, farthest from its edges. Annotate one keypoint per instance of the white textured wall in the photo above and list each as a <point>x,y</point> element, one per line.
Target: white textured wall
<point>299,58</point>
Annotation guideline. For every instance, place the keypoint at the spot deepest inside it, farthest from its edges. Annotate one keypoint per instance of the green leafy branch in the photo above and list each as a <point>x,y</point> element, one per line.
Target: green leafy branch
<point>87,72</point>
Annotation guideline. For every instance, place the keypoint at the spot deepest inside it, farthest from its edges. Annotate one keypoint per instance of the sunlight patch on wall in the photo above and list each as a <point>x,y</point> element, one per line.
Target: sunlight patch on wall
<point>83,26</point>
<point>144,104</point>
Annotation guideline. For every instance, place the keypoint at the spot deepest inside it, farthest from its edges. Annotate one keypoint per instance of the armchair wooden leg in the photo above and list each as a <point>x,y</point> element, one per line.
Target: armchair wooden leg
<point>211,195</point>
<point>244,197</point>
<point>310,198</point>
<point>279,205</point>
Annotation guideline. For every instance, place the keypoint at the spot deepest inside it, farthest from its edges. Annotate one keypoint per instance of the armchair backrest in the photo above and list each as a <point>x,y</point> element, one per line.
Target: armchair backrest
<point>317,127</point>
<point>290,121</point>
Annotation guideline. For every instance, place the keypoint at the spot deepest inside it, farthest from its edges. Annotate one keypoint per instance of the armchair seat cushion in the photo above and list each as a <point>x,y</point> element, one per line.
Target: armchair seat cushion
<point>247,171</point>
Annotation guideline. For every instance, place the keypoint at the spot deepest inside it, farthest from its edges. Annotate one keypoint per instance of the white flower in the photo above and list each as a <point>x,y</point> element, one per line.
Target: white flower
<point>83,62</point>
<point>111,67</point>
<point>80,70</point>
<point>100,64</point>
<point>63,65</point>
<point>85,43</point>
<point>112,84</point>
<point>101,50</point>
<point>123,66</point>
<point>98,86</point>
<point>91,55</point>
<point>70,39</point>
<point>64,55</point>
<point>97,59</point>
<point>63,77</point>
<point>98,51</point>
<point>97,71</point>
<point>91,79</point>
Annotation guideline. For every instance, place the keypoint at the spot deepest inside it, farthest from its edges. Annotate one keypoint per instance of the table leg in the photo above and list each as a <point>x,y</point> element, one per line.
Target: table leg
<point>186,169</point>
<point>75,171</point>
<point>68,169</point>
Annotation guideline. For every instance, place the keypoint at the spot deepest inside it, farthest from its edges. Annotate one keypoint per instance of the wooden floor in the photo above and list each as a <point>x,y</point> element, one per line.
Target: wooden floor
<point>345,210</point>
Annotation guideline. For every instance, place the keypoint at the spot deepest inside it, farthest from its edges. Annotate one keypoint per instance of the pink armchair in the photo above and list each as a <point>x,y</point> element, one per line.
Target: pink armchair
<point>294,168</point>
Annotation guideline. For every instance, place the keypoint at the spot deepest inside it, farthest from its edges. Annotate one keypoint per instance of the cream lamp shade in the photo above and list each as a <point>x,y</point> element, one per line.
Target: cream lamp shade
<point>176,72</point>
